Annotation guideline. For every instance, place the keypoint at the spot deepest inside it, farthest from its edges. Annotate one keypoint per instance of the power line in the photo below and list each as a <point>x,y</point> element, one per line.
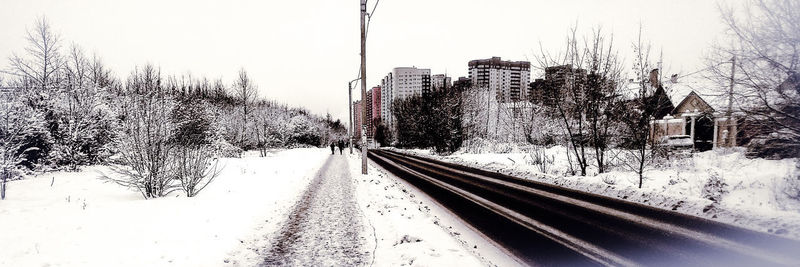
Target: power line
<point>703,69</point>
<point>366,32</point>
<point>369,16</point>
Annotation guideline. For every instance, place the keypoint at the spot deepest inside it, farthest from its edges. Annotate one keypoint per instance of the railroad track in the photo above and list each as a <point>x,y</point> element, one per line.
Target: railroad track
<point>542,224</point>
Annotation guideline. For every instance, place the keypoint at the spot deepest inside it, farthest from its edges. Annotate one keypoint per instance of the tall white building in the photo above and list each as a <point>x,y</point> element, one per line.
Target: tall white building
<point>402,82</point>
<point>439,81</point>
<point>507,79</point>
<point>386,99</point>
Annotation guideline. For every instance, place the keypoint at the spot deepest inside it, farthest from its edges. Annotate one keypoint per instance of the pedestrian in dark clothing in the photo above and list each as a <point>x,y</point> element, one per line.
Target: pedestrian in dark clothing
<point>333,148</point>
<point>341,146</point>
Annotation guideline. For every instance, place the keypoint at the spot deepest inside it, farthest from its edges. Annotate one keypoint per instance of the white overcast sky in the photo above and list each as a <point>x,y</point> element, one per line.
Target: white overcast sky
<point>303,52</point>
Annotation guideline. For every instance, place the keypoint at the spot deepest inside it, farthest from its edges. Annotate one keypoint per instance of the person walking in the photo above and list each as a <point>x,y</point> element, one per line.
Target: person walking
<point>341,146</point>
<point>333,149</point>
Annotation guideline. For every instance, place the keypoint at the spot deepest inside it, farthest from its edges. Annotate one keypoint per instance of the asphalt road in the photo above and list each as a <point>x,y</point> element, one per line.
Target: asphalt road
<point>542,224</point>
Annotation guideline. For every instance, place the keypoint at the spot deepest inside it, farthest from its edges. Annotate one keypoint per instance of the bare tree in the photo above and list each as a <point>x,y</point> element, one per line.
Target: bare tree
<point>602,96</point>
<point>42,61</point>
<point>764,43</point>
<point>144,143</point>
<point>637,113</point>
<point>584,91</point>
<point>195,168</point>
<point>271,130</point>
<point>246,93</point>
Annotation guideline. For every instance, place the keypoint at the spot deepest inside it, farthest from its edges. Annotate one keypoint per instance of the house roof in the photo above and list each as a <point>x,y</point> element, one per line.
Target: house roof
<point>687,98</point>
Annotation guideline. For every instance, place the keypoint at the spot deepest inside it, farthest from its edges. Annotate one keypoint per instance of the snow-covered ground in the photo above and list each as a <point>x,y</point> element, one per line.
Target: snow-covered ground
<point>409,228</point>
<point>75,219</point>
<point>758,194</point>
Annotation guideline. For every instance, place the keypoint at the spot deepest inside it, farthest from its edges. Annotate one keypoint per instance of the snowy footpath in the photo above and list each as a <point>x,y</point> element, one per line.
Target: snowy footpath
<point>345,218</point>
<point>325,227</point>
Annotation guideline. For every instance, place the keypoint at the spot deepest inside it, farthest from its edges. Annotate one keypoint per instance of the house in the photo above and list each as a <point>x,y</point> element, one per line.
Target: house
<point>700,113</point>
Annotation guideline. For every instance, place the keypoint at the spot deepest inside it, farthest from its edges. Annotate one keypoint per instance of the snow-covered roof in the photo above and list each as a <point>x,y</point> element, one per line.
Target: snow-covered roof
<point>712,93</point>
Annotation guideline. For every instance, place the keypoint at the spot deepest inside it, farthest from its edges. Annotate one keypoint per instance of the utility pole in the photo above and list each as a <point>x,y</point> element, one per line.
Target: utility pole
<point>731,123</point>
<point>350,114</point>
<point>730,90</point>
<point>363,87</point>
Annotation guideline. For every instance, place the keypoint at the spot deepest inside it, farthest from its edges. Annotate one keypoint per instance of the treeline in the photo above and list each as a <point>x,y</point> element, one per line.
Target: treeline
<point>430,120</point>
<point>62,109</point>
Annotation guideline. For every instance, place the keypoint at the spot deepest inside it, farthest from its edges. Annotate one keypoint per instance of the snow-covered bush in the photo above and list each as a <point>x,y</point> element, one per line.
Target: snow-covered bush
<point>541,160</point>
<point>715,187</point>
<point>609,180</point>
<point>223,149</point>
<point>194,167</point>
<point>20,125</point>
<point>304,131</point>
<point>83,121</point>
<point>144,143</point>
<point>789,189</point>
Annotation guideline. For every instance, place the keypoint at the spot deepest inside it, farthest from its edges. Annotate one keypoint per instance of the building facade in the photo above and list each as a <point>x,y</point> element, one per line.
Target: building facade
<point>377,108</point>
<point>368,107</point>
<point>410,81</point>
<point>699,117</point>
<point>507,80</point>
<point>557,80</point>
<point>440,82</point>
<point>462,84</point>
<point>402,82</point>
<point>386,99</point>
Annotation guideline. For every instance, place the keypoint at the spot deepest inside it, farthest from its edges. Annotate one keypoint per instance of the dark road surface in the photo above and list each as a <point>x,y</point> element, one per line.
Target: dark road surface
<point>543,224</point>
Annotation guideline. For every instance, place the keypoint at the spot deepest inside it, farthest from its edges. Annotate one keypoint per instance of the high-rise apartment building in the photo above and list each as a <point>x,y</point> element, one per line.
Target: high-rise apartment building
<point>507,79</point>
<point>440,81</point>
<point>402,82</point>
<point>410,81</point>
<point>368,107</point>
<point>377,107</point>
<point>386,99</point>
<point>556,80</point>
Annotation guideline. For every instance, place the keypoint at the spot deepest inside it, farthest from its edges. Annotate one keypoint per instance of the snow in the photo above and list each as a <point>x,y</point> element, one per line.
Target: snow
<point>82,221</point>
<point>409,228</point>
<point>756,193</point>
<point>325,227</point>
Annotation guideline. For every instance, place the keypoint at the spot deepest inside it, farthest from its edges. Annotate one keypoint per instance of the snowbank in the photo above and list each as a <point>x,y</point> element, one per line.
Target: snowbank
<point>409,228</point>
<point>759,194</point>
<point>82,221</point>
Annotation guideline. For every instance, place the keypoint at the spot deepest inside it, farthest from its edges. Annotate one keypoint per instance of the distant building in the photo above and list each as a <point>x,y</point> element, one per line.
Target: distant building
<point>697,112</point>
<point>556,80</point>
<point>375,119</point>
<point>440,81</point>
<point>402,82</point>
<point>462,84</point>
<point>507,79</point>
<point>386,98</point>
<point>410,81</point>
<point>368,107</point>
